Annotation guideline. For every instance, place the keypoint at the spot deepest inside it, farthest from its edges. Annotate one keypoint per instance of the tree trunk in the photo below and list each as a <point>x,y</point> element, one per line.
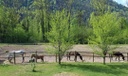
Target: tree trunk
<point>104,60</point>
<point>59,58</point>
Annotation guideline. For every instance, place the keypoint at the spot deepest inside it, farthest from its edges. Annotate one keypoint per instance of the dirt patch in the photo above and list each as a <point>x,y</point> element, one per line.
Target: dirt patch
<point>87,48</point>
<point>66,74</point>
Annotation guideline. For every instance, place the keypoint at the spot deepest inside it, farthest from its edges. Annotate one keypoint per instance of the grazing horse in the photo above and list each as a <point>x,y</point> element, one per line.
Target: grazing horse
<point>74,53</point>
<point>117,55</point>
<point>35,56</point>
<point>16,53</point>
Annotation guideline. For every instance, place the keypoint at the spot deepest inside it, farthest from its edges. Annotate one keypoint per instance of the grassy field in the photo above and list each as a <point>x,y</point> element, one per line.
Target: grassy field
<point>66,69</point>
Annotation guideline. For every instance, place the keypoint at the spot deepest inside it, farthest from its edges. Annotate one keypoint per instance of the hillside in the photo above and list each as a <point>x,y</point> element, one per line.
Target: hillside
<point>77,5</point>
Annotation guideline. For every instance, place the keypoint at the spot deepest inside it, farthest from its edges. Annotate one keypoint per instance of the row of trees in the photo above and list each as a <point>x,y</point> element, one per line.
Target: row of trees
<point>31,23</point>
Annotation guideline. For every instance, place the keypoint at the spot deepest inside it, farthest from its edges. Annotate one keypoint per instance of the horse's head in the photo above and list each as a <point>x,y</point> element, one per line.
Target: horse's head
<point>33,55</point>
<point>123,58</point>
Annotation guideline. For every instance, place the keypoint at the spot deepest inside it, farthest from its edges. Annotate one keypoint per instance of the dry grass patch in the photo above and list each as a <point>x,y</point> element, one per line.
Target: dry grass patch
<point>66,74</point>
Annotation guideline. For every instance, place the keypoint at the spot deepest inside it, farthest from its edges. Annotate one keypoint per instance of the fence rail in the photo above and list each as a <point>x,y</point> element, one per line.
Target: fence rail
<point>83,53</point>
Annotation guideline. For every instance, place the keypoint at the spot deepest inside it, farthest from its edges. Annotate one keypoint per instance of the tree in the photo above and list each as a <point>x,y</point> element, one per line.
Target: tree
<point>35,31</point>
<point>19,34</point>
<point>2,29</point>
<point>100,6</point>
<point>106,29</point>
<point>41,13</point>
<point>8,21</point>
<point>58,34</point>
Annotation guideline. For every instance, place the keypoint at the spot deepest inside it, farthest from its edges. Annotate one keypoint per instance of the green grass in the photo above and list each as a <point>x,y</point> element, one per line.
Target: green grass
<point>77,69</point>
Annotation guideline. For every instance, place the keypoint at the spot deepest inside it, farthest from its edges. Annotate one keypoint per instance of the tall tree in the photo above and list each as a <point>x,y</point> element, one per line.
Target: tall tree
<point>106,29</point>
<point>35,31</point>
<point>42,15</point>
<point>58,35</point>
<point>2,27</point>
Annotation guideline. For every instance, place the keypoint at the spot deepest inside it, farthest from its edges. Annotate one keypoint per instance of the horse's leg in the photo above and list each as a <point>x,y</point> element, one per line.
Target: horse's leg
<point>23,58</point>
<point>122,56</point>
<point>117,58</point>
<point>75,58</point>
<point>42,58</point>
<point>111,57</point>
<point>10,59</point>
<point>81,58</point>
<point>69,57</point>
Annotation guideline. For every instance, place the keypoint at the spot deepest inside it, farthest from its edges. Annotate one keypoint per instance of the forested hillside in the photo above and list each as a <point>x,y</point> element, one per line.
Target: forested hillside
<point>30,21</point>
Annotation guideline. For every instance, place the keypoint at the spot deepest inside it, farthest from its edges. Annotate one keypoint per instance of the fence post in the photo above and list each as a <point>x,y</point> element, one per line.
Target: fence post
<point>36,55</point>
<point>14,58</point>
<point>127,56</point>
<point>93,56</point>
<point>56,57</point>
<point>110,57</point>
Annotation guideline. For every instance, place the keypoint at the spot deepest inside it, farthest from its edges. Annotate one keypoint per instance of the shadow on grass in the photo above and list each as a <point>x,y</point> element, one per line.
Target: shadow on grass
<point>99,68</point>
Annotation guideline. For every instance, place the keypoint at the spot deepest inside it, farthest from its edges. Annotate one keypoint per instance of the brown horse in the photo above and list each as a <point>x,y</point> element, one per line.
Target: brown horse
<point>74,53</point>
<point>118,55</point>
<point>35,56</point>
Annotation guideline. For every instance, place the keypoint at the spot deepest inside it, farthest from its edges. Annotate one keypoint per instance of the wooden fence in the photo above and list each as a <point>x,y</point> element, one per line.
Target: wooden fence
<point>83,53</point>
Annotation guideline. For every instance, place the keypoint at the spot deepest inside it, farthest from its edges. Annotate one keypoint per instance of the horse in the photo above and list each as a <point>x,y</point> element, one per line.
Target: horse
<point>118,55</point>
<point>16,53</point>
<point>74,53</point>
<point>35,56</point>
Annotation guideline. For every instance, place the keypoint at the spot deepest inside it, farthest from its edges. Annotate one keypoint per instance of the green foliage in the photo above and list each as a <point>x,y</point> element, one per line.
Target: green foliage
<point>100,5</point>
<point>81,34</point>
<point>58,35</point>
<point>106,29</point>
<point>19,34</point>
<point>33,65</point>
<point>41,14</point>
<point>123,36</point>
<point>25,12</point>
<point>35,31</point>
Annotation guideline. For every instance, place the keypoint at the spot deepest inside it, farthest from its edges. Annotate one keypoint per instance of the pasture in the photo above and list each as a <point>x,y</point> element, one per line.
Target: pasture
<point>42,49</point>
<point>66,69</point>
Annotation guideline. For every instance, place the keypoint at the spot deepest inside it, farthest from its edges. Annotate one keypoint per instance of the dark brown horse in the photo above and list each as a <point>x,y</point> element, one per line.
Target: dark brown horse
<point>118,55</point>
<point>74,53</point>
<point>35,56</point>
